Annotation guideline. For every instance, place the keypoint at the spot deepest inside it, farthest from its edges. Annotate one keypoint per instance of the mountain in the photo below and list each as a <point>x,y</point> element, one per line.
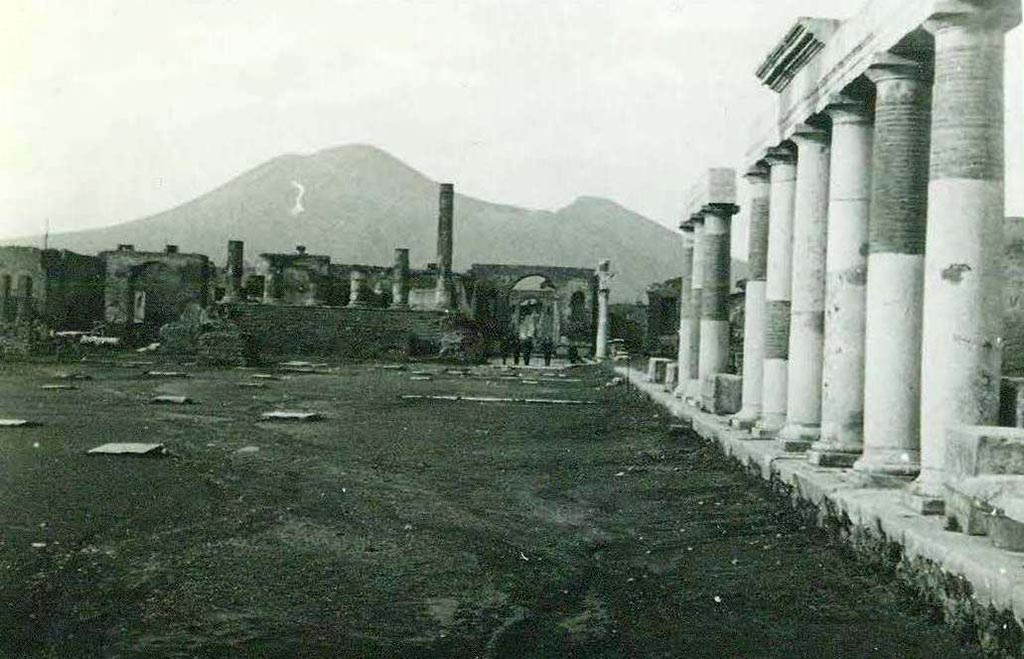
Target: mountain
<point>359,203</point>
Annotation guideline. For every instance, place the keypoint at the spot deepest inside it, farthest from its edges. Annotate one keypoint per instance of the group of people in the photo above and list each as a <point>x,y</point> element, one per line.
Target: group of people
<point>521,348</point>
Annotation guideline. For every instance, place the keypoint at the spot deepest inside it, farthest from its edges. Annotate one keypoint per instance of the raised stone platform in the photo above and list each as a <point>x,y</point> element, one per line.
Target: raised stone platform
<point>874,504</point>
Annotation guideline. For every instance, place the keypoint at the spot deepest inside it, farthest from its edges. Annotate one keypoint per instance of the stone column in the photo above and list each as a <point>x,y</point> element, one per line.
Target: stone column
<point>892,332</point>
<point>842,388</point>
<point>714,311</point>
<point>963,312</point>
<point>696,305</point>
<point>272,284</point>
<point>400,279</point>
<point>356,288</point>
<point>443,295</point>
<point>26,309</point>
<point>234,270</point>
<point>689,324</point>
<point>777,290</point>
<point>603,290</point>
<point>754,297</point>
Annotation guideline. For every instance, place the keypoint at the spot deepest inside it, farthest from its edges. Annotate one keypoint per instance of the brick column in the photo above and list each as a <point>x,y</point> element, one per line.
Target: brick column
<point>444,294</point>
<point>714,311</point>
<point>400,279</point>
<point>842,388</point>
<point>782,161</point>
<point>892,332</point>
<point>689,324</point>
<point>963,311</point>
<point>603,291</point>
<point>696,304</point>
<point>754,297</point>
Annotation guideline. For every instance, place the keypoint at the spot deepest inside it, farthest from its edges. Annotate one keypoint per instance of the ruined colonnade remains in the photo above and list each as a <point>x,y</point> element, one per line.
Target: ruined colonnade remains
<point>873,308</point>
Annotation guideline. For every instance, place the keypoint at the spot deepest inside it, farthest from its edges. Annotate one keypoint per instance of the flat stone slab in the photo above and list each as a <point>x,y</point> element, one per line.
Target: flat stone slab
<point>167,374</point>
<point>395,367</point>
<point>15,423</point>
<point>73,376</point>
<point>58,387</point>
<point>251,385</point>
<point>265,376</point>
<point>289,415</point>
<point>421,378</point>
<point>127,448</point>
<point>171,400</point>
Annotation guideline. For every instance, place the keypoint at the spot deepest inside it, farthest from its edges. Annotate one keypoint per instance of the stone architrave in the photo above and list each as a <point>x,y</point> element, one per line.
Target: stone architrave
<point>782,161</point>
<point>896,231</point>
<point>842,388</point>
<point>963,307</point>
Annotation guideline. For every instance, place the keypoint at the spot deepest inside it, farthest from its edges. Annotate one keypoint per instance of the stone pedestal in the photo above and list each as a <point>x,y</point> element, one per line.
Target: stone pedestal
<point>963,307</point>
<point>754,298</point>
<point>689,324</point>
<point>777,290</point>
<point>842,388</point>
<point>892,349</point>
<point>807,316</point>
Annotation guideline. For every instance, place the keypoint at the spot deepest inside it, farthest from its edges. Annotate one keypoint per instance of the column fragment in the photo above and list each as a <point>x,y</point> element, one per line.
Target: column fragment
<point>400,279</point>
<point>603,291</point>
<point>777,289</point>
<point>444,294</point>
<point>892,332</point>
<point>754,297</point>
<point>842,388</point>
<point>689,324</point>
<point>963,313</point>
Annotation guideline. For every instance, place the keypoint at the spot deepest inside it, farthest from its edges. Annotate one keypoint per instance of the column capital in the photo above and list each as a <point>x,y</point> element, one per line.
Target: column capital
<point>889,66</point>
<point>1001,15</point>
<point>686,226</point>
<point>803,133</point>
<point>759,172</point>
<point>720,210</point>
<point>845,109</point>
<point>780,155</point>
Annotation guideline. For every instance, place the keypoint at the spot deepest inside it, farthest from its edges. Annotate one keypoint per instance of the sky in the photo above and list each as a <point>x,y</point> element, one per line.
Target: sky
<point>116,109</point>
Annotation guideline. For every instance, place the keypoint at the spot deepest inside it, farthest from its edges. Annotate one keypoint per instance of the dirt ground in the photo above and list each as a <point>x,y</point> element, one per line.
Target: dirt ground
<point>407,528</point>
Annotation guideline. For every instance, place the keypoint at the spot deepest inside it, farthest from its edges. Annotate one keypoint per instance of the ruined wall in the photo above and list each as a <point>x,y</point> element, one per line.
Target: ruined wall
<point>18,266</point>
<point>1013,333</point>
<point>66,288</point>
<point>337,331</point>
<point>170,282</point>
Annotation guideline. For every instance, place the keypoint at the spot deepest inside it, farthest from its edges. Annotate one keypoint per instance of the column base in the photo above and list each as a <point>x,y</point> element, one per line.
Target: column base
<point>797,438</point>
<point>680,391</point>
<point>745,419</point>
<point>923,503</point>
<point>693,393</point>
<point>768,426</point>
<point>904,465</point>
<point>831,456</point>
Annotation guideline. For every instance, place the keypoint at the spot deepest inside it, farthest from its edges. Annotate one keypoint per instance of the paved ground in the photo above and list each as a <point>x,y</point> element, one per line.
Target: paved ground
<point>408,528</point>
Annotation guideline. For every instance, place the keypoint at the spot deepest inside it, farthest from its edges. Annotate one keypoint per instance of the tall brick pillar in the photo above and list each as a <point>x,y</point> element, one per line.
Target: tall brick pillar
<point>444,295</point>
<point>963,310</point>
<point>235,268</point>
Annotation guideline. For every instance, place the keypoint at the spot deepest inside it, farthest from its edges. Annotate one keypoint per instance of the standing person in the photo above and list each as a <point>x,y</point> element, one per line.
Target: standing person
<point>527,328</point>
<point>547,348</point>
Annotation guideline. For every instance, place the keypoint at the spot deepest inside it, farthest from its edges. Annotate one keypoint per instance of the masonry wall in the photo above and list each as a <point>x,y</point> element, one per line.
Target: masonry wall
<point>170,281</point>
<point>337,331</point>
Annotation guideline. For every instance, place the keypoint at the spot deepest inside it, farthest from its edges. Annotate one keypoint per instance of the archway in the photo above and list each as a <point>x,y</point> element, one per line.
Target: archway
<point>533,303</point>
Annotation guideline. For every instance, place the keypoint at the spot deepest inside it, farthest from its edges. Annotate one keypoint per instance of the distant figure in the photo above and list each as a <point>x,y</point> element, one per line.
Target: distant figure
<point>547,348</point>
<point>527,328</point>
<point>505,347</point>
<point>517,349</point>
<point>574,354</point>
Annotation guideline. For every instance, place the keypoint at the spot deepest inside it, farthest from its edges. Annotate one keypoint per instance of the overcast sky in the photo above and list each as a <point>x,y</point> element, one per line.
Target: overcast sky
<point>114,109</point>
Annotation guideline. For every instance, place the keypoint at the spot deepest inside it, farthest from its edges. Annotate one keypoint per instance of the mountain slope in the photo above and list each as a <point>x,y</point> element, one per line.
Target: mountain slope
<point>359,203</point>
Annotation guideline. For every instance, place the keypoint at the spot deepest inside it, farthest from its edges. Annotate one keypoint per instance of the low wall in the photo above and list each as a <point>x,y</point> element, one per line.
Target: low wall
<point>338,331</point>
<point>979,588</point>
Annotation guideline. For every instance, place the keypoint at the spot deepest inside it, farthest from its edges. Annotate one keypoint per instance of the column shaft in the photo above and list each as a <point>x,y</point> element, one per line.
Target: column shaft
<point>687,368</point>
<point>963,312</point>
<point>714,313</point>
<point>842,388</point>
<point>603,290</point>
<point>892,332</point>
<point>235,269</point>
<point>754,316</point>
<point>400,279</point>
<point>693,384</point>
<point>777,290</point>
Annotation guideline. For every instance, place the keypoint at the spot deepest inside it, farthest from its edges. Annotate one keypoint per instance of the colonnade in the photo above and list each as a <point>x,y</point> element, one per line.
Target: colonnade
<point>873,311</point>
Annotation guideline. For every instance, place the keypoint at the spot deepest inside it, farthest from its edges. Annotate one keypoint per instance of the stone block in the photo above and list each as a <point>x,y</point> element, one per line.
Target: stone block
<point>656,369</point>
<point>671,375</point>
<point>977,450</point>
<point>716,186</point>
<point>722,393</point>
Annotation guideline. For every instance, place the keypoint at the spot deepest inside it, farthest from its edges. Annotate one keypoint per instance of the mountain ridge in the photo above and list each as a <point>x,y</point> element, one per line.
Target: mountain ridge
<point>357,202</point>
